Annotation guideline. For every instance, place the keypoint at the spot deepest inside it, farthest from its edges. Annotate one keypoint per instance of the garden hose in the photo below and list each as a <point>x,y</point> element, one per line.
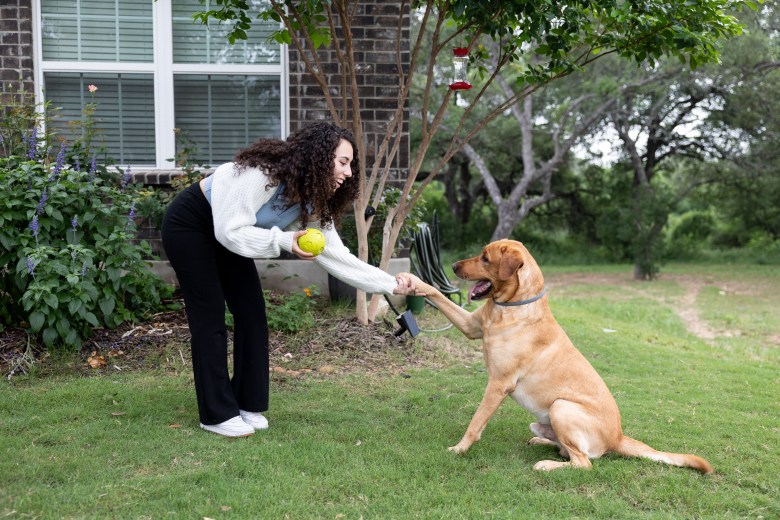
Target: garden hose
<point>427,264</point>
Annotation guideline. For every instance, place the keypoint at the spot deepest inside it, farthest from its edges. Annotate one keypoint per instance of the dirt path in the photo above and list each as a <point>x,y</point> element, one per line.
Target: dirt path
<point>684,306</point>
<point>687,311</point>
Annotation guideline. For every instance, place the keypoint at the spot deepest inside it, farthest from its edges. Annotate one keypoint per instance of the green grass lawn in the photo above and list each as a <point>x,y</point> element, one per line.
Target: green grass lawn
<point>354,445</point>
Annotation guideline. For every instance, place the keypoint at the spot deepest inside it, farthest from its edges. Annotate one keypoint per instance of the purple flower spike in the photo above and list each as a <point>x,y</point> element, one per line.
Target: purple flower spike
<point>60,160</point>
<point>31,265</point>
<point>75,222</point>
<point>92,168</point>
<point>126,178</point>
<point>42,203</point>
<point>34,227</point>
<point>131,216</point>
<point>33,143</point>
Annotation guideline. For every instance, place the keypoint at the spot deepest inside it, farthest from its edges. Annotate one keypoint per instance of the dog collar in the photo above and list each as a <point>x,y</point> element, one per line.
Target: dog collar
<point>521,302</point>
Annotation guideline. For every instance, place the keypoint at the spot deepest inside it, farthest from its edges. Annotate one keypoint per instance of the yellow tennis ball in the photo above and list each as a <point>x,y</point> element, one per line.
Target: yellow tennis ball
<point>312,242</point>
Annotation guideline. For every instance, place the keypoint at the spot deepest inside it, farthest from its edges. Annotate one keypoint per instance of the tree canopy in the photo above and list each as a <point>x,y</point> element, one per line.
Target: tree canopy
<point>539,40</point>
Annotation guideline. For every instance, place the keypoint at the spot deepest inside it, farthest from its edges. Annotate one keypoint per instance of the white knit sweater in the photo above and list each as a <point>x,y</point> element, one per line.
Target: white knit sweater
<point>235,200</point>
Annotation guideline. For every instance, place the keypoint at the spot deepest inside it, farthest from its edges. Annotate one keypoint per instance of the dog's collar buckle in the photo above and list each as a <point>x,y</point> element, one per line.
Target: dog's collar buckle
<point>522,302</point>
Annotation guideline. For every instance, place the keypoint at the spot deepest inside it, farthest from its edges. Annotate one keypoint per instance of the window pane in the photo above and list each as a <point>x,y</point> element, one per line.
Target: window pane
<point>97,30</point>
<point>221,114</point>
<point>196,43</point>
<point>124,114</point>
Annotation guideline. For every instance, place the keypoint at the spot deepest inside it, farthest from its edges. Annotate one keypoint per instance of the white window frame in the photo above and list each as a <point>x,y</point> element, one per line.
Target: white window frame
<point>163,70</point>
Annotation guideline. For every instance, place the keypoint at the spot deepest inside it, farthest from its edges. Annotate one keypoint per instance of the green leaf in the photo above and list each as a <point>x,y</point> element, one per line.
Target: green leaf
<point>107,305</point>
<point>283,37</point>
<point>74,306</point>
<point>72,339</point>
<point>91,292</point>
<point>91,319</point>
<point>51,300</point>
<point>63,327</point>
<point>37,320</point>
<point>50,336</point>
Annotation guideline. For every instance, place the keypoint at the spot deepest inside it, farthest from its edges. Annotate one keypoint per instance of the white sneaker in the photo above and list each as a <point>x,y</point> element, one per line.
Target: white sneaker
<point>254,419</point>
<point>234,427</point>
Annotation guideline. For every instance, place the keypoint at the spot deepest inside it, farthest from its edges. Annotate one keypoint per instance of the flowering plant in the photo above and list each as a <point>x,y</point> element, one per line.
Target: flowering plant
<point>291,312</point>
<point>68,259</point>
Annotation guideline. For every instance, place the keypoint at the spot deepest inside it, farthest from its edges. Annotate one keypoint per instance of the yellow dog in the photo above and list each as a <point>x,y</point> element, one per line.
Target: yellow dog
<point>530,357</point>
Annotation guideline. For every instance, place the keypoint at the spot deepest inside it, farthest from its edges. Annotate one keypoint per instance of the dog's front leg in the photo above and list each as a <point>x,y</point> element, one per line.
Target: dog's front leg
<point>468,323</point>
<point>495,393</point>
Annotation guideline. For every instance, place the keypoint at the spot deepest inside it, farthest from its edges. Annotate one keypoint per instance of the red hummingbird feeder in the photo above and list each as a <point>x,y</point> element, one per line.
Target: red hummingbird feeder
<point>460,60</point>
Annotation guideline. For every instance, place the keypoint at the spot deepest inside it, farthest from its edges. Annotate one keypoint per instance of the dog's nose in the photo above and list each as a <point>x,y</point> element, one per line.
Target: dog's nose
<point>456,268</point>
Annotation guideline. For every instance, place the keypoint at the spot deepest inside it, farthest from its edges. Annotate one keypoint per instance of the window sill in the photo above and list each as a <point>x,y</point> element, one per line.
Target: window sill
<point>158,177</point>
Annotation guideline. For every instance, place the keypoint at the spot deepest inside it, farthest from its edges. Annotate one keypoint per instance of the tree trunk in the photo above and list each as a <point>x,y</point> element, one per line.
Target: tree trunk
<point>507,221</point>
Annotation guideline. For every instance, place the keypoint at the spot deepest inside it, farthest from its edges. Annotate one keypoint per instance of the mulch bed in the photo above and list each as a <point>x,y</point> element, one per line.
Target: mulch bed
<point>332,345</point>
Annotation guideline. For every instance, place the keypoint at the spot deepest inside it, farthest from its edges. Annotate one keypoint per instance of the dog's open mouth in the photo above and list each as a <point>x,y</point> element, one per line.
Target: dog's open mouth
<point>480,290</point>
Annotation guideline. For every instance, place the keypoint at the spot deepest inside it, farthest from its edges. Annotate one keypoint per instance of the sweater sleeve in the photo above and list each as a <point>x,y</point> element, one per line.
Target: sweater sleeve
<point>235,199</point>
<point>339,262</point>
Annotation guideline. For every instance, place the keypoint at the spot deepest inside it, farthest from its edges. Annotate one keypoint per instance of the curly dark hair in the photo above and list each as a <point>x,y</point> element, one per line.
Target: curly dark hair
<point>304,163</point>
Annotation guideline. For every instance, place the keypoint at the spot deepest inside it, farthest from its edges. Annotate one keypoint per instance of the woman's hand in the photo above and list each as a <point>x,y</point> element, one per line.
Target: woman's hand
<point>297,251</point>
<point>407,285</point>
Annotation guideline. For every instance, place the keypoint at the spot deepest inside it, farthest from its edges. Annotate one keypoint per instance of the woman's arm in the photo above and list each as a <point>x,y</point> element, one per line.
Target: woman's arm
<point>338,261</point>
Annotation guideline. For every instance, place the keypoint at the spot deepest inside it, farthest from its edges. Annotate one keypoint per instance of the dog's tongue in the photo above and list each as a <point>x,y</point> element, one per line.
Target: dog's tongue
<point>479,290</point>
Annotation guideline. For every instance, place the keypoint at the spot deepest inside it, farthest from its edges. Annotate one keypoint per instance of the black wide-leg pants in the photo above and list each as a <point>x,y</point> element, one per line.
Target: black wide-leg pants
<point>209,276</point>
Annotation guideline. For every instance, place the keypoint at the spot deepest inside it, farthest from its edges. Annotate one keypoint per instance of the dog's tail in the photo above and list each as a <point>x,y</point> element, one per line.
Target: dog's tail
<point>634,448</point>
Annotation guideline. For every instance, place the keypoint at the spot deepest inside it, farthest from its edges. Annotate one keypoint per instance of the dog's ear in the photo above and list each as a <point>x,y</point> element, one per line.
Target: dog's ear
<point>511,261</point>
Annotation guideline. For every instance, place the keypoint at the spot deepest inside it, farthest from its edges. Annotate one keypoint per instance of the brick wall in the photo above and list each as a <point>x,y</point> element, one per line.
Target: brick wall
<point>16,63</point>
<point>374,33</point>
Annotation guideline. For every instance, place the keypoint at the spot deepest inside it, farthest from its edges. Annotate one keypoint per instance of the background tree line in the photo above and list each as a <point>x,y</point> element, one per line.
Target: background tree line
<point>619,162</point>
<point>517,50</point>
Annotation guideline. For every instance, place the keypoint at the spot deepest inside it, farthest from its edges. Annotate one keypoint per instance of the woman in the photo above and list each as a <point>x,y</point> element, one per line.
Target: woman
<point>255,207</point>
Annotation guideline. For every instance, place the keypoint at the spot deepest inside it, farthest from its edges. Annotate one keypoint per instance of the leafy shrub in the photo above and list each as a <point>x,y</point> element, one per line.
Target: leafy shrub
<point>68,262</point>
<point>764,247</point>
<point>291,312</point>
<point>287,312</point>
<point>690,234</point>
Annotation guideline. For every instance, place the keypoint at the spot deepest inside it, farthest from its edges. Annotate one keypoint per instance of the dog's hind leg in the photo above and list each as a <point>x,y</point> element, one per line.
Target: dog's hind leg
<point>544,434</point>
<point>570,424</point>
<point>577,459</point>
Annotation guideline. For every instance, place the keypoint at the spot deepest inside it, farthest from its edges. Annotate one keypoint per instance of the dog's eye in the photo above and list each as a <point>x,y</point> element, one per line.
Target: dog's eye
<point>484,258</point>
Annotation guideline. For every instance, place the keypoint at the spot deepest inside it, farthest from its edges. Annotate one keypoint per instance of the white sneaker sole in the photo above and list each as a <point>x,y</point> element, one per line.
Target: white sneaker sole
<point>231,435</point>
<point>254,424</point>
